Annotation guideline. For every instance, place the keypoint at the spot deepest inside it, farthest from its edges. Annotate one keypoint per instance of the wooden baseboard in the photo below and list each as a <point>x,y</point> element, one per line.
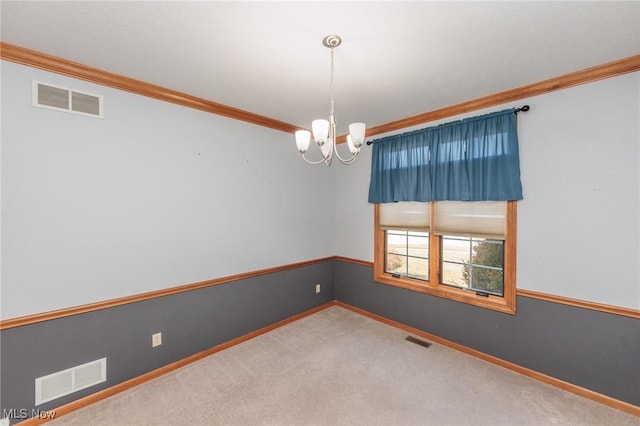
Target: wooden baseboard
<point>578,390</point>
<point>120,387</point>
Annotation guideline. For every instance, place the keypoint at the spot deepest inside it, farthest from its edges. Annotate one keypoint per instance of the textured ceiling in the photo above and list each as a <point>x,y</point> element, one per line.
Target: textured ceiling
<point>397,59</point>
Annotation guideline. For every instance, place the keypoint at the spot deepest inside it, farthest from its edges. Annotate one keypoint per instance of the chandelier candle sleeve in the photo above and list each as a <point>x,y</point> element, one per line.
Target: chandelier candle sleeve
<point>303,137</point>
<point>352,148</point>
<point>320,131</point>
<point>356,131</point>
<point>324,131</point>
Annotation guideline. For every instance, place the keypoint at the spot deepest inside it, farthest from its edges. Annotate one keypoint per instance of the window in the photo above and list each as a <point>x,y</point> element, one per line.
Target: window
<point>464,251</point>
<point>463,248</point>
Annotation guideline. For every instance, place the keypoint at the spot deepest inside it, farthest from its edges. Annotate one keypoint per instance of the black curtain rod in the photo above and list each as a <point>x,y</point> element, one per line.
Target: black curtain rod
<point>523,108</point>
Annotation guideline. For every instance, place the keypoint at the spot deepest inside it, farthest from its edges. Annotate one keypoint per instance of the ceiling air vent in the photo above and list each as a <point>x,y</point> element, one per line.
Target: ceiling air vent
<point>71,380</point>
<point>62,99</point>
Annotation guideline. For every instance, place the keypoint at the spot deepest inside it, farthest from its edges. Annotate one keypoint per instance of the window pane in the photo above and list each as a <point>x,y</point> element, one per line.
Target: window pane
<point>396,252</point>
<point>418,245</point>
<point>397,243</point>
<point>396,264</point>
<point>418,268</point>
<point>488,280</point>
<point>453,274</point>
<point>456,255</point>
<point>456,250</point>
<point>488,253</point>
<point>407,253</point>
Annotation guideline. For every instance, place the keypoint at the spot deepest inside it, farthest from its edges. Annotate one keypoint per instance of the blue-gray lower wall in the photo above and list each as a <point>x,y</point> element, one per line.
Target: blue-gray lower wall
<point>190,322</point>
<point>592,349</point>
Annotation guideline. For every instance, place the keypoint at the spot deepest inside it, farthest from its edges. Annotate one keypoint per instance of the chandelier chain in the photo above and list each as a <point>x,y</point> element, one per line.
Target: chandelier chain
<point>331,114</point>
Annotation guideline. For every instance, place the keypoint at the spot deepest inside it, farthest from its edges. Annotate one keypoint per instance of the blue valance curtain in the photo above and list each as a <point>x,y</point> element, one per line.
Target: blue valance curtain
<point>475,159</point>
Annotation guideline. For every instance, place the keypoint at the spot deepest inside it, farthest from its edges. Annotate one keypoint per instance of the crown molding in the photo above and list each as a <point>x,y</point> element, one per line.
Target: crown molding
<point>31,58</point>
<point>600,72</point>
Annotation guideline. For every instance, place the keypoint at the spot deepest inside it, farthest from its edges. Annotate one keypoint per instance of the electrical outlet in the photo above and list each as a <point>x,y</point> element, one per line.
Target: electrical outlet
<point>317,288</point>
<point>156,339</point>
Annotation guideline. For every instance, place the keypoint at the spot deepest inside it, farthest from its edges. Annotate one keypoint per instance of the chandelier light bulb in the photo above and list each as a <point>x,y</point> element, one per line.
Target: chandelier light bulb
<point>352,148</point>
<point>320,131</point>
<point>303,138</point>
<point>356,131</point>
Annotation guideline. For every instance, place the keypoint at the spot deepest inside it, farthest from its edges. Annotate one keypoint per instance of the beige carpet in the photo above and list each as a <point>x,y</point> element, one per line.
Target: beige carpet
<point>340,368</point>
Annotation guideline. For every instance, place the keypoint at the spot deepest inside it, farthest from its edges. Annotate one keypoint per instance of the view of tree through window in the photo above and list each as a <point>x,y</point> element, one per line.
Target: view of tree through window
<point>473,263</point>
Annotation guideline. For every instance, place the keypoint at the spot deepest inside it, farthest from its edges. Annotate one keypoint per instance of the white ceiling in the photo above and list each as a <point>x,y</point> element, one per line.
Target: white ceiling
<point>397,59</point>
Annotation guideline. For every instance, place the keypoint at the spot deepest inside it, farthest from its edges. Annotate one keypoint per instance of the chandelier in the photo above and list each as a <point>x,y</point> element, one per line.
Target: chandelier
<point>324,131</point>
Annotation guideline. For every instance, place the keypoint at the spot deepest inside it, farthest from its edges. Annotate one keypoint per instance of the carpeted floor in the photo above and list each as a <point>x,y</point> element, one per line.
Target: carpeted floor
<point>339,368</point>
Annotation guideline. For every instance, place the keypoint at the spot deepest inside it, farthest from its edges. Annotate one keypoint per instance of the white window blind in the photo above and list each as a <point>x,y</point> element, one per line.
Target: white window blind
<point>407,216</point>
<point>482,219</point>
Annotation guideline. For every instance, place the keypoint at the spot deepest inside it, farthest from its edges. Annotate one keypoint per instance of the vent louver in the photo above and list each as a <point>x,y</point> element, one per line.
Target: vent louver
<point>417,341</point>
<point>64,382</point>
<point>62,99</point>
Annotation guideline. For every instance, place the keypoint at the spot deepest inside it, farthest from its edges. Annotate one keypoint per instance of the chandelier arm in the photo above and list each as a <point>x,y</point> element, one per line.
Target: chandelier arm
<point>349,160</point>
<point>304,157</point>
<point>332,146</point>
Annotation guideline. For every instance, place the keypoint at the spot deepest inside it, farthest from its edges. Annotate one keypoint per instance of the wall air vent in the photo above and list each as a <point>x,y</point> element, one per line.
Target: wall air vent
<point>71,380</point>
<point>49,96</point>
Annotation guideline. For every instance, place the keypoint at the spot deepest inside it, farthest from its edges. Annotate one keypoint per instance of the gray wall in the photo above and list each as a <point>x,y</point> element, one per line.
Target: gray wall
<point>190,322</point>
<point>592,349</point>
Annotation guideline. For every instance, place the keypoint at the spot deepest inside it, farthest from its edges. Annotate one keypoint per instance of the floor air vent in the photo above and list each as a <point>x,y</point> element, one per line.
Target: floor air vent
<point>62,99</point>
<point>64,382</point>
<point>417,341</point>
